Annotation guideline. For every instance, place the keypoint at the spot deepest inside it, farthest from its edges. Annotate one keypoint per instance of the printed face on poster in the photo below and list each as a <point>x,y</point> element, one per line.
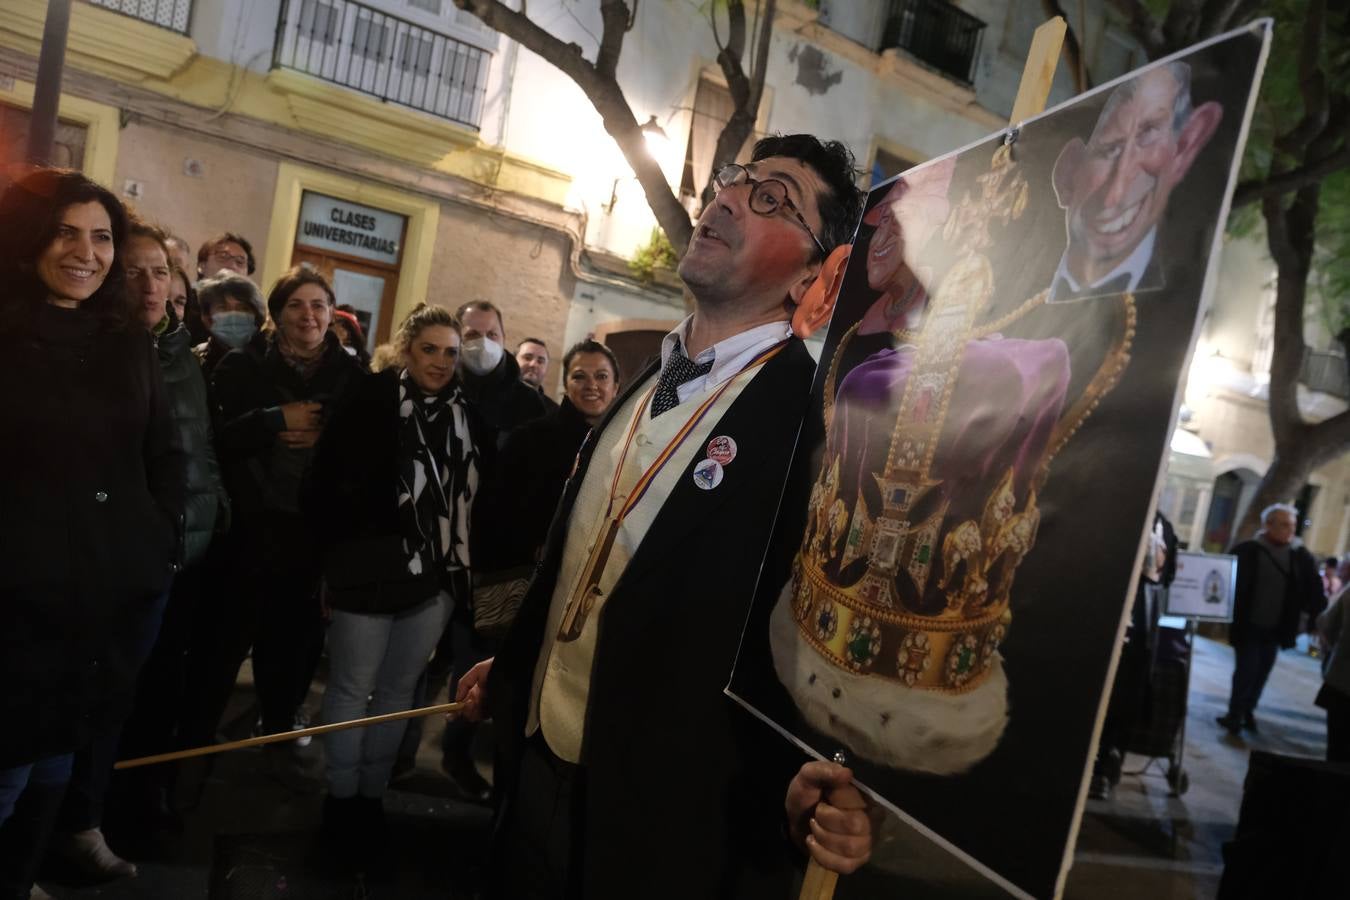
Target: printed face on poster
<point>991,411</point>
<point>1203,587</point>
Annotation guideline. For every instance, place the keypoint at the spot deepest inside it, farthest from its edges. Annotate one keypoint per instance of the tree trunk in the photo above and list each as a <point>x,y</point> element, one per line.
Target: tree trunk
<point>1282,482</point>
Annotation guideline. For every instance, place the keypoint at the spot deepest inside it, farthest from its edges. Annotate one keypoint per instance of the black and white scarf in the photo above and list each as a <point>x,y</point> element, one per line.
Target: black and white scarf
<point>437,477</point>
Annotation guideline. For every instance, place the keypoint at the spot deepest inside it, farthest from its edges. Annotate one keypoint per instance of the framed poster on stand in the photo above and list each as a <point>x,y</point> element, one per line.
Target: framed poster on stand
<point>1203,588</point>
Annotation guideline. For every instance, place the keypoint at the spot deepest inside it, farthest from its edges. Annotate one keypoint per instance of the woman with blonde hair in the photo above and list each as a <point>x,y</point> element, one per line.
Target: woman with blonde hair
<point>390,493</point>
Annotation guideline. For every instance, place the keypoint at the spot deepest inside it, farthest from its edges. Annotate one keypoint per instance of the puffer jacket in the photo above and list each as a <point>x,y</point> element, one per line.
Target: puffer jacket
<point>191,414</point>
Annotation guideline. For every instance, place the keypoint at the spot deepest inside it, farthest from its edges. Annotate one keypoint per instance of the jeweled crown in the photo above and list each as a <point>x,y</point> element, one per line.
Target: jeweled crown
<point>931,605</point>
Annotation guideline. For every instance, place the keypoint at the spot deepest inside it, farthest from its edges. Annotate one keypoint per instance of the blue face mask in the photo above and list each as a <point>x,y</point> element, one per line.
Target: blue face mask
<point>233,328</point>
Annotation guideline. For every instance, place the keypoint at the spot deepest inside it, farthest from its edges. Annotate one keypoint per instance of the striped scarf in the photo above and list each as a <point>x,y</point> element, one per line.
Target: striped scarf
<point>437,479</point>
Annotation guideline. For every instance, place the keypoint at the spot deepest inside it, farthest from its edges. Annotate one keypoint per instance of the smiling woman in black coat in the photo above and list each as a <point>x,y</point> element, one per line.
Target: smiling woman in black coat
<point>390,494</point>
<point>270,411</point>
<point>91,488</point>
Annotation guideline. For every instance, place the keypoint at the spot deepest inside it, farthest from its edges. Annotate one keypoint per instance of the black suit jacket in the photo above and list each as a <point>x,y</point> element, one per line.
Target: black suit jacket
<point>1303,593</point>
<point>684,790</point>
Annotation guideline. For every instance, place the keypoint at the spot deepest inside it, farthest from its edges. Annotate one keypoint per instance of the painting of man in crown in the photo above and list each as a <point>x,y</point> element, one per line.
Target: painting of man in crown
<point>992,407</point>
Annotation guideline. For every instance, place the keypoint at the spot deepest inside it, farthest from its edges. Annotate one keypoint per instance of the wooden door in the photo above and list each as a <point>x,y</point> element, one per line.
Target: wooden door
<point>369,287</point>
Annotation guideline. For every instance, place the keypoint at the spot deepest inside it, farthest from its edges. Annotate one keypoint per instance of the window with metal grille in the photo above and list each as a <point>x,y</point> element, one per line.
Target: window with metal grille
<point>414,53</point>
<point>319,21</point>
<point>370,39</point>
<point>937,33</point>
<point>171,14</point>
<point>397,60</point>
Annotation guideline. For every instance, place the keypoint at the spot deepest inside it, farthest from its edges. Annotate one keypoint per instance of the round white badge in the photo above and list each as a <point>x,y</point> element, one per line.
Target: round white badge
<point>708,474</point>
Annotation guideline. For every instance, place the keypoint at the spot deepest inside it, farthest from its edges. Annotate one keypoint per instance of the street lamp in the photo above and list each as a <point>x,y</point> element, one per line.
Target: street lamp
<point>658,145</point>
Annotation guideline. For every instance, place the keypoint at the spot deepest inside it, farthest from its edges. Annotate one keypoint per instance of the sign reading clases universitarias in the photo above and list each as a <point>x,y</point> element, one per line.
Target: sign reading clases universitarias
<point>327,223</point>
<point>981,457</point>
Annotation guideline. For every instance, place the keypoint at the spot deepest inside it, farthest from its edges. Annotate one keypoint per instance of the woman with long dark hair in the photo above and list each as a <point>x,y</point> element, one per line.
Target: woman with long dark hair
<point>91,485</point>
<point>271,409</point>
<point>390,493</point>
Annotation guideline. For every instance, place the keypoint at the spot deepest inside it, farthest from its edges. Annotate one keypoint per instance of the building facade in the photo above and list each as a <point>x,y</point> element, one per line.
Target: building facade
<point>414,155</point>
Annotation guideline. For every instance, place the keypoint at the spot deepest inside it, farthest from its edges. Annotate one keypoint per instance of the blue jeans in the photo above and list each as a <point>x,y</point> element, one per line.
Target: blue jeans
<point>374,662</point>
<point>53,770</point>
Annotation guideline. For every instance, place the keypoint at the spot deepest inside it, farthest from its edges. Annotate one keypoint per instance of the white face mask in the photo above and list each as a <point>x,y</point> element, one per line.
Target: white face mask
<point>480,355</point>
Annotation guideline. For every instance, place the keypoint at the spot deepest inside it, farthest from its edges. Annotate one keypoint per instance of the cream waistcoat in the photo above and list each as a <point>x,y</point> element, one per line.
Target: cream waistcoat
<point>562,674</point>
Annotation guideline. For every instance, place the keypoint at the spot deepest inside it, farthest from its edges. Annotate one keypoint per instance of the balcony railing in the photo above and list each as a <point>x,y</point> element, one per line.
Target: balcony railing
<point>171,14</point>
<point>1326,372</point>
<point>937,33</point>
<point>393,59</point>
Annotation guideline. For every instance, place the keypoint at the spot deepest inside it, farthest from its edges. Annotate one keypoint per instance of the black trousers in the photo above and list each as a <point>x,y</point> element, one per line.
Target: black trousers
<point>538,851</point>
<point>1337,705</point>
<point>1254,657</point>
<point>264,594</point>
<point>83,805</point>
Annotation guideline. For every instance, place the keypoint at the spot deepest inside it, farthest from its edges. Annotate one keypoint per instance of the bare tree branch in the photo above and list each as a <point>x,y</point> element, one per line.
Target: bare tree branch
<point>602,89</point>
<point>1181,24</point>
<point>1146,29</point>
<point>1312,83</point>
<point>1291,234</point>
<point>1073,48</point>
<point>759,66</point>
<point>1277,185</point>
<point>615,15</point>
<point>735,28</point>
<point>1219,15</point>
<point>1328,439</point>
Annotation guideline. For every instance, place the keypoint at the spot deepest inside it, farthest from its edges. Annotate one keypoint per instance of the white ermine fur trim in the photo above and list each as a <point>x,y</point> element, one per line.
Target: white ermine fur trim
<point>880,719</point>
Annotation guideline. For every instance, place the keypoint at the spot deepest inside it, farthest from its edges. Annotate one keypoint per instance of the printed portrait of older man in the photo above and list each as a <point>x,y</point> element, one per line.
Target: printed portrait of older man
<point>1114,188</point>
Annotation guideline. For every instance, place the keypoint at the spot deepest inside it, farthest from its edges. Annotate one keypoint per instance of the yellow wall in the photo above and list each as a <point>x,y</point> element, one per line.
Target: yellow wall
<point>100,128</point>
<point>125,49</point>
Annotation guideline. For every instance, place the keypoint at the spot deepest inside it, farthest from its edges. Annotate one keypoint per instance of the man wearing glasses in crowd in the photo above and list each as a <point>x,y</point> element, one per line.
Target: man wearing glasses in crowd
<point>623,768</point>
<point>225,251</point>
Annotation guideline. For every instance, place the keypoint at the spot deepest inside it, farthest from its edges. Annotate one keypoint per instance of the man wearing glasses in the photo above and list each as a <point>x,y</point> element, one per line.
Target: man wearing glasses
<point>228,251</point>
<point>623,769</point>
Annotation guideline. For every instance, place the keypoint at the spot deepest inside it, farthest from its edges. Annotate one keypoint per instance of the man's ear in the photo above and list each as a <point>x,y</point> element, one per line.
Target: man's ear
<point>816,303</point>
<point>1066,166</point>
<point>1195,134</point>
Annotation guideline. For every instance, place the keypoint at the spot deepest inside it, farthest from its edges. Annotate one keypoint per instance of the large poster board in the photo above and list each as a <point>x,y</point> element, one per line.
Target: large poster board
<point>989,419</point>
<point>1203,587</point>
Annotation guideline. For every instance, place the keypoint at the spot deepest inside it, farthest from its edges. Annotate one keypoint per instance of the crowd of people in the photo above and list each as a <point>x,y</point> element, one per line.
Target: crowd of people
<point>198,472</point>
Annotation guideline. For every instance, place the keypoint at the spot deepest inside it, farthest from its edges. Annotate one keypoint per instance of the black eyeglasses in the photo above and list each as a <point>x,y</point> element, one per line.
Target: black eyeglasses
<point>767,198</point>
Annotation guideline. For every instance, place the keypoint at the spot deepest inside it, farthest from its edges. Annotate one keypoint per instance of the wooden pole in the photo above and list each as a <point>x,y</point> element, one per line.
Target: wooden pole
<point>1037,76</point>
<point>47,86</point>
<point>287,736</point>
<point>1039,72</point>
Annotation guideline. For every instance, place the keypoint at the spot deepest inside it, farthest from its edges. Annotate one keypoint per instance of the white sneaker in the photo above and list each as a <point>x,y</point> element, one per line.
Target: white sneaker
<point>89,852</point>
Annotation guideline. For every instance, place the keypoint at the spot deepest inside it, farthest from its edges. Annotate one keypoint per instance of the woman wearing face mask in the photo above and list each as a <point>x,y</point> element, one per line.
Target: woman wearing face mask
<point>270,412</point>
<point>517,502</point>
<point>233,311</point>
<point>390,492</point>
<point>91,489</point>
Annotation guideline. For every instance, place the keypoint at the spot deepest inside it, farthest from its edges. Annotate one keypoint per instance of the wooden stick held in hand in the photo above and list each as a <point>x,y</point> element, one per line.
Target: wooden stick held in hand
<point>287,736</point>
